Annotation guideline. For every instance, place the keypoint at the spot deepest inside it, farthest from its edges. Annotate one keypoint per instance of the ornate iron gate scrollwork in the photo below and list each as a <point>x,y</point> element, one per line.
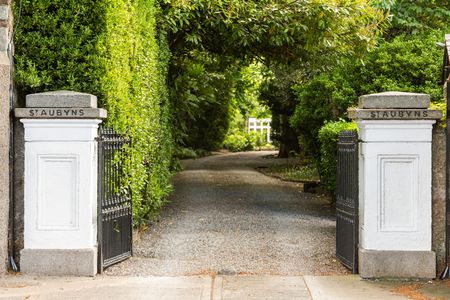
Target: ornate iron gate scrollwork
<point>114,201</point>
<point>347,196</point>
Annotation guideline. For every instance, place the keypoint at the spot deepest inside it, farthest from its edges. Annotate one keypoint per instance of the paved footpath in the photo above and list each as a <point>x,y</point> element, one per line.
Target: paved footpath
<point>205,288</point>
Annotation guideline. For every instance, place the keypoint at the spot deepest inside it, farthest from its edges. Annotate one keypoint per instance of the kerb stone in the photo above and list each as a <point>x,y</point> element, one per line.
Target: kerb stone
<point>61,99</point>
<point>394,100</point>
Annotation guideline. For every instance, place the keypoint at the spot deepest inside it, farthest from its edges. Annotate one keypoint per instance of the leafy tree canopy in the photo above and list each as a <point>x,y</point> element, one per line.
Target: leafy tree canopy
<point>225,35</point>
<point>280,30</point>
<point>418,16</point>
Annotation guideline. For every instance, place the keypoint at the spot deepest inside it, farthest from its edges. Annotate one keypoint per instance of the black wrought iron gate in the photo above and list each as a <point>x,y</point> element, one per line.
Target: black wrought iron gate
<point>114,201</point>
<point>347,195</point>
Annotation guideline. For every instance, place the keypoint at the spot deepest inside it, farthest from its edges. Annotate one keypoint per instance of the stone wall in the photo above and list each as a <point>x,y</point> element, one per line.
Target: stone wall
<point>438,188</point>
<point>5,83</point>
<point>18,178</point>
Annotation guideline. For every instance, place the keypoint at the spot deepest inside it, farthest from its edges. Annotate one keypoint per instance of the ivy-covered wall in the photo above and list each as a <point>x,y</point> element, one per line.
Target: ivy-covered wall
<point>109,48</point>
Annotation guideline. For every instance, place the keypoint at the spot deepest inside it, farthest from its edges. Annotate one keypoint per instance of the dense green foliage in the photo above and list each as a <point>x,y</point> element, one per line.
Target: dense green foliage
<point>212,40</point>
<point>277,94</point>
<point>417,16</point>
<point>110,49</point>
<point>328,138</point>
<point>325,97</point>
<point>239,140</point>
<point>406,59</point>
<point>245,104</point>
<point>174,72</point>
<point>57,51</point>
<point>282,30</point>
<point>406,63</point>
<point>201,93</point>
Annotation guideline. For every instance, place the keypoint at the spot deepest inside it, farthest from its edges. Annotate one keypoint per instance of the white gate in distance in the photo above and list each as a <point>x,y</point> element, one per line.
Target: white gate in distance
<point>263,126</point>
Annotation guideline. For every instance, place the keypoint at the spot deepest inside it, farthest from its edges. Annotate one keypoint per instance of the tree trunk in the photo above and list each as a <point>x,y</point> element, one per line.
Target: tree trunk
<point>288,138</point>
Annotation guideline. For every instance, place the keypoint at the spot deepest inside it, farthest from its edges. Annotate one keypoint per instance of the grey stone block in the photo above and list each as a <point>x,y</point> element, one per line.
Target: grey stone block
<point>18,186</point>
<point>439,167</point>
<point>4,12</point>
<point>5,80</point>
<point>82,262</point>
<point>397,264</point>
<point>61,113</point>
<point>394,100</point>
<point>61,99</point>
<point>4,38</point>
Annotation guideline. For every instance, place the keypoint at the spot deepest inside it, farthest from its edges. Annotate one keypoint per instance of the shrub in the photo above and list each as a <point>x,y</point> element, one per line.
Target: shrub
<point>244,141</point>
<point>405,63</point>
<point>202,152</point>
<point>109,48</point>
<point>442,106</point>
<point>328,138</point>
<point>189,153</point>
<point>185,153</point>
<point>325,97</point>
<point>238,141</point>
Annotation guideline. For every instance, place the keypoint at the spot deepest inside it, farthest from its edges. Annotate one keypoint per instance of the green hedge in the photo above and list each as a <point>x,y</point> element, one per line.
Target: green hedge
<point>328,138</point>
<point>109,48</point>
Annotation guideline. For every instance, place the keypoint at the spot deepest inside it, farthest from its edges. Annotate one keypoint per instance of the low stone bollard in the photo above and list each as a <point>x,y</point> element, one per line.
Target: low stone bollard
<point>60,234</point>
<point>395,185</point>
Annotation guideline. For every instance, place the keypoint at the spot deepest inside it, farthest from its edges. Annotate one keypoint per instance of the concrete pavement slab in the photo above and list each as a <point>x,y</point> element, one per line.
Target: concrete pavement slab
<point>262,287</point>
<point>158,288</point>
<point>161,288</point>
<point>348,288</point>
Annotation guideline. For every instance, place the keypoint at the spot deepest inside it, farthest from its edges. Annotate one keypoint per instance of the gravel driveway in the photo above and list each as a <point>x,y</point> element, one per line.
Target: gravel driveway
<point>224,217</point>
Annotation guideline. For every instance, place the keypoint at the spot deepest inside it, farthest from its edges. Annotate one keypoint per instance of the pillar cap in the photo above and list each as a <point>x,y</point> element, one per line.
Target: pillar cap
<point>61,105</point>
<point>394,100</point>
<point>61,99</point>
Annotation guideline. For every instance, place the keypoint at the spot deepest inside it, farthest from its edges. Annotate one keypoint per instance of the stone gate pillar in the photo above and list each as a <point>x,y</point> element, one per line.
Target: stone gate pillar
<point>60,234</point>
<point>395,185</point>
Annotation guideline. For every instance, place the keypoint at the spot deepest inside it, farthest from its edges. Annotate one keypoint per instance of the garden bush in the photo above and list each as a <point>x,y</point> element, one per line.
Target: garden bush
<point>109,48</point>
<point>239,141</point>
<point>405,63</point>
<point>244,141</point>
<point>185,153</point>
<point>328,138</point>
